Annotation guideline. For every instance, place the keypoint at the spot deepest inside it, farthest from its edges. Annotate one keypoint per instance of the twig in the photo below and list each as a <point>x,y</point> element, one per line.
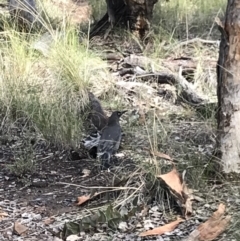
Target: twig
<point>95,187</point>
<point>130,196</point>
<point>204,41</point>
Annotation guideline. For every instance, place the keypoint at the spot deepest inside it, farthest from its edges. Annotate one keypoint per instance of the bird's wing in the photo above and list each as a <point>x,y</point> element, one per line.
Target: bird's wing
<point>109,140</point>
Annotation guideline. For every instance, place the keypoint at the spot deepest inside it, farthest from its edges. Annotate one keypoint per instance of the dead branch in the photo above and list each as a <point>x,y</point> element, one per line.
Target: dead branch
<point>137,65</point>
<point>185,88</point>
<point>172,64</point>
<point>199,40</point>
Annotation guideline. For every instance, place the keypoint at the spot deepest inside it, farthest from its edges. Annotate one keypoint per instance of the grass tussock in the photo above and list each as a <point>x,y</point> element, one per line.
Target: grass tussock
<point>51,90</point>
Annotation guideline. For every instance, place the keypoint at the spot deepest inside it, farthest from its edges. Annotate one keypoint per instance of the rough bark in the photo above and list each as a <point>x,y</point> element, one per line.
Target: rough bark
<point>228,74</point>
<point>131,14</point>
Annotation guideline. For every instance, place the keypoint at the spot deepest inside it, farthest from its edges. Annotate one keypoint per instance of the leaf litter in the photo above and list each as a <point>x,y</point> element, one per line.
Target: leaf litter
<point>97,218</point>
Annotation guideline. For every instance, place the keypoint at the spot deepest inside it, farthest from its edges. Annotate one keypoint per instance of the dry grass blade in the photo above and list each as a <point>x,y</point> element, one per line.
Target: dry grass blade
<point>161,155</point>
<point>83,199</point>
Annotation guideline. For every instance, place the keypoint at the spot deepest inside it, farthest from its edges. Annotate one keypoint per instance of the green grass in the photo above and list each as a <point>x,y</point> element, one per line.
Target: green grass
<point>24,163</point>
<point>184,18</point>
<point>52,90</point>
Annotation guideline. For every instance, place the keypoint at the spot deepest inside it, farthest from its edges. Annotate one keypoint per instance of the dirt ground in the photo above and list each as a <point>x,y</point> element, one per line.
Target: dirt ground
<point>43,198</point>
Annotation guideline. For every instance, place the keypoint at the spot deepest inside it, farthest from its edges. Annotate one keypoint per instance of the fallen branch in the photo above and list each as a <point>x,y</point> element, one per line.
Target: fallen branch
<point>204,41</point>
<point>186,90</point>
<point>188,64</point>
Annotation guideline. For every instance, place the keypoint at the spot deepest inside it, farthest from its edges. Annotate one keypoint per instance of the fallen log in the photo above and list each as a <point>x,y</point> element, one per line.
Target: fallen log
<point>172,64</point>
<point>185,89</point>
<point>138,64</point>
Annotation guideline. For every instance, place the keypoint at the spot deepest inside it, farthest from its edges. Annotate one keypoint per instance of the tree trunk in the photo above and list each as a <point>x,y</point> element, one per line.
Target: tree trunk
<point>228,74</point>
<point>131,14</point>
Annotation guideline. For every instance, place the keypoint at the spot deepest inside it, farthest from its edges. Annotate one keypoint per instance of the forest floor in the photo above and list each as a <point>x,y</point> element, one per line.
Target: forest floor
<point>42,185</point>
<point>35,205</point>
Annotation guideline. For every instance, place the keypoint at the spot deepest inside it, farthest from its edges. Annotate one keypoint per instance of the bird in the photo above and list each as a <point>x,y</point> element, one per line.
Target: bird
<point>24,11</point>
<point>91,140</point>
<point>97,115</point>
<point>110,139</point>
<point>99,120</point>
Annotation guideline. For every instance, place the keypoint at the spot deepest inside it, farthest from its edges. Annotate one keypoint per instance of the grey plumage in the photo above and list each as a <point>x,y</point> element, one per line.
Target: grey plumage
<point>110,139</point>
<point>97,115</point>
<point>24,11</point>
<point>91,140</point>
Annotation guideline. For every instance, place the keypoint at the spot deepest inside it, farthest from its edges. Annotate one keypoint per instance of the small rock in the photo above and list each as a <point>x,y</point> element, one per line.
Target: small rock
<point>37,217</point>
<point>73,238</point>
<point>26,215</point>
<point>57,239</point>
<point>26,221</point>
<point>139,225</point>
<point>154,209</point>
<point>123,226</point>
<point>160,239</point>
<point>82,234</point>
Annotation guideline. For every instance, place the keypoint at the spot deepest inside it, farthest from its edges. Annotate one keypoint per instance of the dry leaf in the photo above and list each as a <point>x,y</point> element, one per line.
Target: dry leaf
<point>188,196</point>
<point>215,225</point>
<point>161,155</point>
<point>163,229</point>
<point>173,180</point>
<point>49,220</point>
<point>83,199</point>
<point>19,229</point>
<point>180,191</point>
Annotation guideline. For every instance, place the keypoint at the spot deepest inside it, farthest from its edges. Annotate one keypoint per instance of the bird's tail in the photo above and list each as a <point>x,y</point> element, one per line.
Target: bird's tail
<point>91,140</point>
<point>105,160</point>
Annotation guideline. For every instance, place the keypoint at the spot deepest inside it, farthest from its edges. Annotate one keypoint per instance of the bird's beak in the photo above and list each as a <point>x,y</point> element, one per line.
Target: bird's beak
<point>124,112</point>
